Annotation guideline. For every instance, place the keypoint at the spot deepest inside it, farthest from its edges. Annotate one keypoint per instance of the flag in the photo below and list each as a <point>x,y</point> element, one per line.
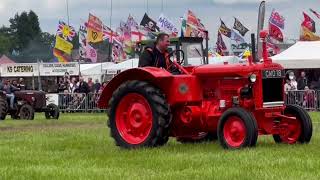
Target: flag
<point>223,29</point>
<point>245,54</point>
<point>82,41</point>
<point>109,35</point>
<point>307,35</point>
<point>236,37</point>
<point>308,23</point>
<point>131,23</point>
<point>240,27</point>
<point>60,56</point>
<point>194,27</point>
<point>183,26</point>
<point>91,53</point>
<point>63,45</point>
<point>94,29</point>
<point>277,19</point>
<point>149,24</point>
<point>275,32</point>
<point>165,25</point>
<point>315,13</point>
<point>65,31</point>
<point>221,46</point>
<point>271,47</point>
<point>138,35</point>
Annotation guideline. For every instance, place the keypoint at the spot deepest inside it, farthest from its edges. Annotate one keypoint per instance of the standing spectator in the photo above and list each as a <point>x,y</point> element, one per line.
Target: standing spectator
<point>91,85</point>
<point>72,85</point>
<point>61,85</point>
<point>309,99</point>
<point>83,86</point>
<point>97,86</point>
<point>291,83</point>
<point>303,81</point>
<point>21,84</point>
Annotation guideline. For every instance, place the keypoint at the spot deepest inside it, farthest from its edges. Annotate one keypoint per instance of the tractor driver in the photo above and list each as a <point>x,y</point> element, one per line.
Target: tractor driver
<point>8,90</point>
<point>157,55</point>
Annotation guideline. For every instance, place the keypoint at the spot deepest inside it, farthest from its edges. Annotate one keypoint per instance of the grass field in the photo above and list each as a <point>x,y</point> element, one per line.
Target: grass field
<point>78,146</point>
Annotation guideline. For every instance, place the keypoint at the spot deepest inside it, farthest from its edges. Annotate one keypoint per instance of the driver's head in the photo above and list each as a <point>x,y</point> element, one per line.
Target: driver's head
<point>163,42</point>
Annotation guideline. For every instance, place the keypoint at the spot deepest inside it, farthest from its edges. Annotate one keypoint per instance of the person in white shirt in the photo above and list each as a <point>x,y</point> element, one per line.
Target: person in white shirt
<point>291,83</point>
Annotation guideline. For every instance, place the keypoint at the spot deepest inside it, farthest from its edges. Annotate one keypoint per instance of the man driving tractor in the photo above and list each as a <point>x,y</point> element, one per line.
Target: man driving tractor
<point>157,55</point>
<point>8,90</point>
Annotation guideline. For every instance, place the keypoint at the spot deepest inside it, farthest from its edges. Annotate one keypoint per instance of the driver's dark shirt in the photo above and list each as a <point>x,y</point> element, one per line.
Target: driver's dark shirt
<point>151,56</point>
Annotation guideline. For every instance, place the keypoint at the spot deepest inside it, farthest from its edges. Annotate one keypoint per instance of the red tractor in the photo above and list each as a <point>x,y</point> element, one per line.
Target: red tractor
<point>26,103</point>
<point>235,102</point>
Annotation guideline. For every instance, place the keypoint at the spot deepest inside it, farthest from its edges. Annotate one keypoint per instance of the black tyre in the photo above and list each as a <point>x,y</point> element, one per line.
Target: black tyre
<point>237,128</point>
<point>293,131</point>
<point>199,138</point>
<point>52,111</point>
<point>26,112</point>
<point>139,116</point>
<point>15,116</point>
<point>3,108</point>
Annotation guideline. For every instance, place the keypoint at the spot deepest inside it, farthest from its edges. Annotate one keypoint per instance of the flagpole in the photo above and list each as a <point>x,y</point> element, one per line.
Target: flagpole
<point>67,3</point>
<point>147,6</point>
<point>162,6</point>
<point>110,24</point>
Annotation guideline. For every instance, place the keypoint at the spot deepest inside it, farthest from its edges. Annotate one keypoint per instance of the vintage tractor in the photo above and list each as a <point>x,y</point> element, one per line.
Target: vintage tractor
<point>26,104</point>
<point>235,102</point>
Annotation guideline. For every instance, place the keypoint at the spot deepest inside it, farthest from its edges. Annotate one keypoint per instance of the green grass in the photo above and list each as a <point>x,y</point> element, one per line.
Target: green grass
<point>78,146</point>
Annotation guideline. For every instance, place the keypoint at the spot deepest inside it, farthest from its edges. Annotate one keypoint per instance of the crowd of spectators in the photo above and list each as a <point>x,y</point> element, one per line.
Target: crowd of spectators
<point>301,90</point>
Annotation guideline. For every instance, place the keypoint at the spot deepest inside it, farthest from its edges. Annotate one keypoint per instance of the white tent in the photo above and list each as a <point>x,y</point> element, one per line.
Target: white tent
<point>302,55</point>
<point>95,71</point>
<point>128,64</point>
<point>216,60</point>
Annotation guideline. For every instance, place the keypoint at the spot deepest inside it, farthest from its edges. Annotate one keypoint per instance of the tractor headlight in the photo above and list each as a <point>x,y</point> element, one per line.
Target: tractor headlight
<point>253,78</point>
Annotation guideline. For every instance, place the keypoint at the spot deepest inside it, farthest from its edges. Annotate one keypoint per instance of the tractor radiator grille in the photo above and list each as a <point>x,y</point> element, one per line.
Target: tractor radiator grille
<point>272,90</point>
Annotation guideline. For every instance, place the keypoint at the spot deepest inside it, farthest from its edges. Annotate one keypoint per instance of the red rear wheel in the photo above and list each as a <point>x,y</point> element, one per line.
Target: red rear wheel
<point>134,118</point>
<point>139,115</point>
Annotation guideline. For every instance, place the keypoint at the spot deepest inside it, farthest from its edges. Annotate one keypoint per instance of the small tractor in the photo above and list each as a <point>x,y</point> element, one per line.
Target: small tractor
<point>231,102</point>
<point>26,103</point>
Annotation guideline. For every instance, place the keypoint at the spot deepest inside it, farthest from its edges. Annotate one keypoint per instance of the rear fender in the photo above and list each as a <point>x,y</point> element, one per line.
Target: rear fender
<point>149,74</point>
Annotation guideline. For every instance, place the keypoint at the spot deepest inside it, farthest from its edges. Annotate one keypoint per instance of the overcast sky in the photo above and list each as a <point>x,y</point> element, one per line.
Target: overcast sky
<point>209,11</point>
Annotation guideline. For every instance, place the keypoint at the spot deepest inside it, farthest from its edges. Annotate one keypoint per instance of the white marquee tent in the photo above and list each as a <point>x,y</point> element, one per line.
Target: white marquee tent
<point>95,71</point>
<point>302,55</point>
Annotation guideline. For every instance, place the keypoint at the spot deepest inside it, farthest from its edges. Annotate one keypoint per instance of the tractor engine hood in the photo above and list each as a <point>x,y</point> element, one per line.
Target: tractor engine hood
<point>232,69</point>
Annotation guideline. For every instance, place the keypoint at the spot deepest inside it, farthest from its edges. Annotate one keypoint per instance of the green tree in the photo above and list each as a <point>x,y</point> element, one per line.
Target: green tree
<point>24,27</point>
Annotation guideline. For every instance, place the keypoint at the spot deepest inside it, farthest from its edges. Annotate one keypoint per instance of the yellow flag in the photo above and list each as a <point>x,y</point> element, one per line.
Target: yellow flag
<point>94,36</point>
<point>307,35</point>
<point>63,45</point>
<point>94,29</point>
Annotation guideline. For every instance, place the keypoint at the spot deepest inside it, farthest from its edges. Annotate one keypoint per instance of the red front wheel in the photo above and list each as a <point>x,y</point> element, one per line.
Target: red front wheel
<point>237,128</point>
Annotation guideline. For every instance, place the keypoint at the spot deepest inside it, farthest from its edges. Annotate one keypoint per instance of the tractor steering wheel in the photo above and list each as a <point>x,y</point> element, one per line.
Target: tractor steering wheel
<point>178,64</point>
<point>175,52</point>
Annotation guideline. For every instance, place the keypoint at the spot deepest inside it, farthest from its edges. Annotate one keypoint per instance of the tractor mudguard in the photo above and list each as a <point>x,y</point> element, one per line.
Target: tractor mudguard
<point>150,74</point>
